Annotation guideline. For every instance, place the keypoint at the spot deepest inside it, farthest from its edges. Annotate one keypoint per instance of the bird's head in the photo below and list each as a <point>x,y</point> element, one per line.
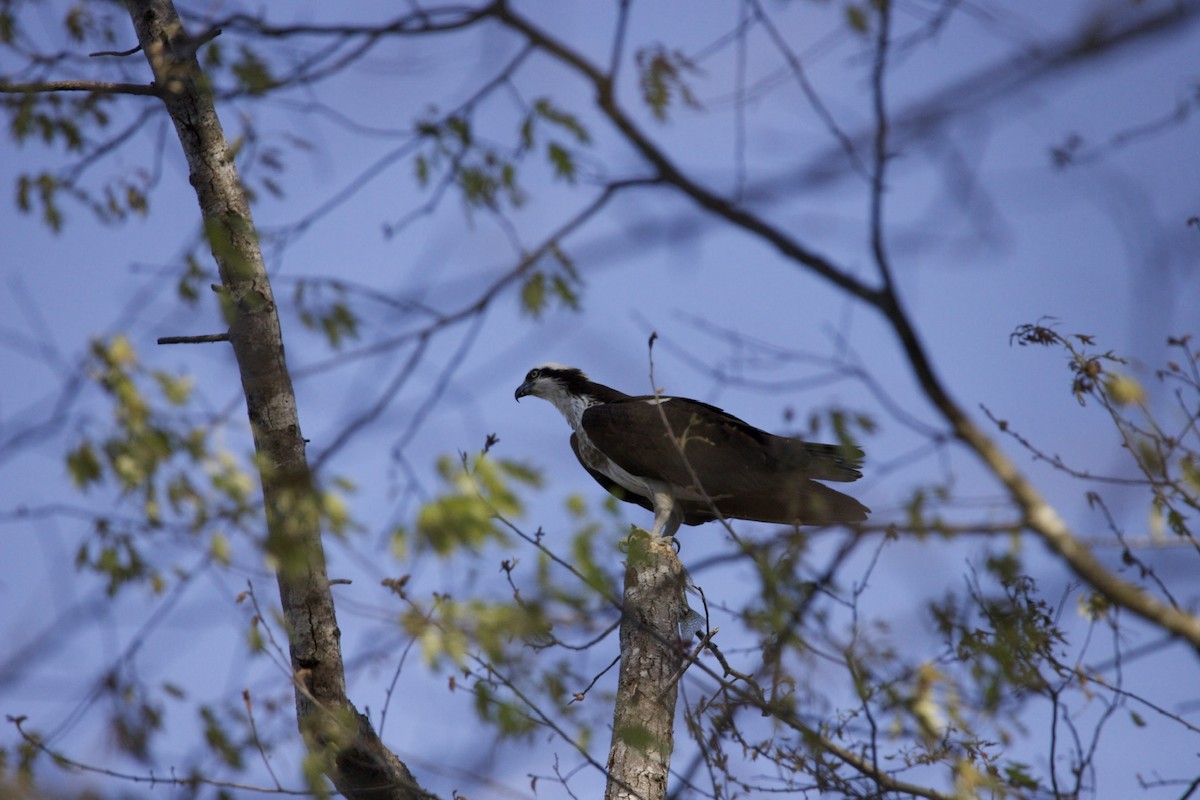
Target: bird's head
<point>566,387</point>
<point>551,380</point>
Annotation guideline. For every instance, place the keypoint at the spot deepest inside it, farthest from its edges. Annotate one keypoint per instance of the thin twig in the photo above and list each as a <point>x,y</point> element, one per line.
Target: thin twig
<point>116,53</point>
<point>36,742</point>
<point>580,695</point>
<point>205,339</point>
<point>257,740</point>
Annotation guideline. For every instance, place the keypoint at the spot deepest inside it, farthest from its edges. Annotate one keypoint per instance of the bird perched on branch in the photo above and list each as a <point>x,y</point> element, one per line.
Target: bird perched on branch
<point>690,462</point>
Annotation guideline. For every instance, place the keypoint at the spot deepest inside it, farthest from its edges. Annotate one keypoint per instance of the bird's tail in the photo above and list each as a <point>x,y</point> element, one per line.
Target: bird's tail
<point>833,462</point>
<point>791,501</point>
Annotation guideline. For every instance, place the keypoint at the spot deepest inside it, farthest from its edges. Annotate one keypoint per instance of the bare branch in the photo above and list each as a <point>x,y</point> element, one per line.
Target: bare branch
<point>206,338</point>
<point>38,743</point>
<point>669,173</point>
<point>96,87</point>
<point>116,53</point>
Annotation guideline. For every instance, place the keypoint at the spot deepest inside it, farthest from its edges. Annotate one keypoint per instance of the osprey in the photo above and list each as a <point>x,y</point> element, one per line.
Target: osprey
<point>690,462</point>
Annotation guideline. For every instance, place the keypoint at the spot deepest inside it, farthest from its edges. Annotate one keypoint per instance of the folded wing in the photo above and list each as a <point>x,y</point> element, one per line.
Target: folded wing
<point>723,466</point>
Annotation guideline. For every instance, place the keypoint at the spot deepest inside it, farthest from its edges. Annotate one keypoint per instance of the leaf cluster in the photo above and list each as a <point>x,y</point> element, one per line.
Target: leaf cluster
<point>323,307</point>
<point>478,492</point>
<point>661,77</point>
<point>151,455</point>
<point>1161,437</point>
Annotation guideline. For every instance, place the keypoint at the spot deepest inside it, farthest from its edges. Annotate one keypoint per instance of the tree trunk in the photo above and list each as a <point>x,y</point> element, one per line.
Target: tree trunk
<point>644,718</point>
<point>341,741</point>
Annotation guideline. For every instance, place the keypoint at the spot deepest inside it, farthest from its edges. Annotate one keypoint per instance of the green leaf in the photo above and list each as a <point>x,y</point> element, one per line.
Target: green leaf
<point>522,473</point>
<point>118,352</point>
<point>213,55</point>
<point>136,200</point>
<point>77,22</point>
<point>47,187</point>
<point>478,187</point>
<point>255,639</point>
<point>218,740</point>
<point>564,260</point>
<point>1190,469</point>
<point>661,79</point>
<point>83,466</point>
<point>583,558</point>
<point>176,390</point>
<point>335,512</point>
<point>218,547</point>
<point>465,515</point>
<point>533,294</point>
<point>460,128</point>
<point>1125,390</point>
<point>1017,774</point>
<point>252,72</point>
<point>564,292</point>
<point>188,287</point>
<point>24,184</point>
<point>444,639</point>
<point>576,505</point>
<point>7,26</point>
<point>856,17</point>
<point>526,133</point>
<point>448,523</point>
<point>339,324</point>
<point>562,161</point>
<point>1094,606</point>
<point>174,690</point>
<point>549,112</point>
<point>118,561</point>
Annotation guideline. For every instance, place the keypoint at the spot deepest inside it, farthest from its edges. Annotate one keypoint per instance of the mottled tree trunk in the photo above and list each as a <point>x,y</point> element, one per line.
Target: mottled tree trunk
<point>346,747</point>
<point>644,718</point>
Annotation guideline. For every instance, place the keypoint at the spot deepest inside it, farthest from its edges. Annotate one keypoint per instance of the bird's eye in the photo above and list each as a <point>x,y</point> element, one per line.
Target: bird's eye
<point>533,373</point>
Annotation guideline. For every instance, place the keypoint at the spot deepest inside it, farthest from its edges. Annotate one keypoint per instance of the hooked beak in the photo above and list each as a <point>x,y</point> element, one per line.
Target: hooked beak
<point>522,391</point>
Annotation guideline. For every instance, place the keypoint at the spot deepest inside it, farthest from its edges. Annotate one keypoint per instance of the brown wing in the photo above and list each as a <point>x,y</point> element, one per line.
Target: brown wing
<point>641,435</point>
<point>745,472</point>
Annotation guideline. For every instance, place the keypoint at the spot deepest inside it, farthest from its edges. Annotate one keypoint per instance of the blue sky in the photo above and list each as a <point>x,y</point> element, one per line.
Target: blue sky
<point>985,233</point>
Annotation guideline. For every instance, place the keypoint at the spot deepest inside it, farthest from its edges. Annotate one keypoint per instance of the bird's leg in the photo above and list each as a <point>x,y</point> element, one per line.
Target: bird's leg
<point>667,515</point>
